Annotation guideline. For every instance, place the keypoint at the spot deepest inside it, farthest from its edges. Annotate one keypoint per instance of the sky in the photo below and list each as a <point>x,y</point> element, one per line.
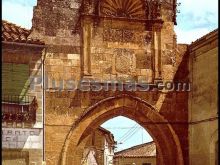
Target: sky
<point>196,18</point>
<point>19,12</point>
<point>127,132</point>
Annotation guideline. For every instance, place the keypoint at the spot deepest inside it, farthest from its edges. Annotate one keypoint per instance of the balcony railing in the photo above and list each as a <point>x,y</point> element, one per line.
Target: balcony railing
<point>19,109</point>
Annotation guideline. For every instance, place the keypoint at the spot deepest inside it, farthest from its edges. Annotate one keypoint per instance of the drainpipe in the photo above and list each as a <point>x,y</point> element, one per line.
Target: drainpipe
<point>43,106</point>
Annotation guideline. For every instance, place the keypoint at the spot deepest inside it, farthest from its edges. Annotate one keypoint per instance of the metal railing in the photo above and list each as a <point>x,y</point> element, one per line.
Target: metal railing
<point>19,108</point>
<point>17,99</point>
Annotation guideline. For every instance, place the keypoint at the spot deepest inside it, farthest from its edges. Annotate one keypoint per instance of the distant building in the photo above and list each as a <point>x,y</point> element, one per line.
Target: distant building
<point>99,149</point>
<point>144,154</point>
<point>22,97</point>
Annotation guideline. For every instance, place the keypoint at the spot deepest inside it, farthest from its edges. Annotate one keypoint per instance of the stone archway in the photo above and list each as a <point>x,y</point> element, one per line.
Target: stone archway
<point>168,145</point>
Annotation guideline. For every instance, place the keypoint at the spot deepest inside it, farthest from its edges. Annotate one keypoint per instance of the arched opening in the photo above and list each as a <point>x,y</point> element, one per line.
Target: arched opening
<point>119,141</point>
<point>133,144</point>
<point>165,138</point>
<point>127,133</point>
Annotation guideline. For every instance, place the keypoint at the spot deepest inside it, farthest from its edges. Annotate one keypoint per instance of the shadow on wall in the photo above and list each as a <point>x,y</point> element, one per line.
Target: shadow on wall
<point>21,138</point>
<point>15,157</point>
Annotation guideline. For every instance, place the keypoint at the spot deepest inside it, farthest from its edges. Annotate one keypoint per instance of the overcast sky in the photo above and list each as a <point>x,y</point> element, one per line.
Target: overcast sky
<point>196,18</point>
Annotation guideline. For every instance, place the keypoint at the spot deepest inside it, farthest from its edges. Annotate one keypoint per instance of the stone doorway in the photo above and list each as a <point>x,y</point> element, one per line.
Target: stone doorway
<point>167,142</point>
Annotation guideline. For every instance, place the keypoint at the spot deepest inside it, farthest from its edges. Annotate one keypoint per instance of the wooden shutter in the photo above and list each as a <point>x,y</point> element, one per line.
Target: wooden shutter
<point>15,79</point>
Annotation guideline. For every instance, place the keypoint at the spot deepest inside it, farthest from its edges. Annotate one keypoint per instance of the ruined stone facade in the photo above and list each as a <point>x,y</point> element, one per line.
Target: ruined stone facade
<point>111,40</point>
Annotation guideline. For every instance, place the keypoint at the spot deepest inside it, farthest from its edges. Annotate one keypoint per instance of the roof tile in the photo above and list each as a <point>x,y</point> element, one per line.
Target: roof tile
<point>143,150</point>
<point>14,33</point>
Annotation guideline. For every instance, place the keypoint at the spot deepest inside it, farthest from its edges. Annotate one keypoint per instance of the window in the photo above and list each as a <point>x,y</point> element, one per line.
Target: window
<point>17,106</point>
<point>15,79</point>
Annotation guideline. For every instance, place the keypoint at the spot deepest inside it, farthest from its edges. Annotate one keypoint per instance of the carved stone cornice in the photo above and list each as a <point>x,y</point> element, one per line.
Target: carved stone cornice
<point>123,8</point>
<point>136,9</point>
<point>145,11</point>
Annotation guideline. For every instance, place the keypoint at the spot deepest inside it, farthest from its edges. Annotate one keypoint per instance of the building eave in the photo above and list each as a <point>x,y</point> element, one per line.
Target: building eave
<point>206,39</point>
<point>24,44</point>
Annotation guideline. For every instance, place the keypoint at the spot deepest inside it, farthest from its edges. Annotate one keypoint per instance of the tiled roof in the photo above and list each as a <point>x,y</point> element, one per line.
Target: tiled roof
<point>104,130</point>
<point>109,136</point>
<point>139,151</point>
<point>17,34</point>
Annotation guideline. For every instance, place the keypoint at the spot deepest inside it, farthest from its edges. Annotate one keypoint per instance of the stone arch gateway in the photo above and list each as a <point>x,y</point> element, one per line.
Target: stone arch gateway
<point>167,142</point>
<point>110,40</point>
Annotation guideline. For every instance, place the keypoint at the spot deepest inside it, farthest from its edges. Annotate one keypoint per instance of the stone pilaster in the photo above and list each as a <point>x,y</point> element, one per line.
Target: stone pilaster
<point>86,30</point>
<point>157,50</point>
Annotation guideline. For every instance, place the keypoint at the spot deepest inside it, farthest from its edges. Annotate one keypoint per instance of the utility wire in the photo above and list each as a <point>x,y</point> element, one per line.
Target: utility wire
<point>122,140</point>
<point>128,132</point>
<point>122,127</point>
<point>128,135</point>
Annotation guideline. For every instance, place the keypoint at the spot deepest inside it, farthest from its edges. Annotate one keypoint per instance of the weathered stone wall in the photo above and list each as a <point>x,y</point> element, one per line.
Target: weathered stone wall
<point>63,108</point>
<point>53,22</point>
<point>119,51</point>
<point>203,100</point>
<point>53,18</point>
<point>24,157</point>
<point>111,50</point>
<point>116,50</point>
